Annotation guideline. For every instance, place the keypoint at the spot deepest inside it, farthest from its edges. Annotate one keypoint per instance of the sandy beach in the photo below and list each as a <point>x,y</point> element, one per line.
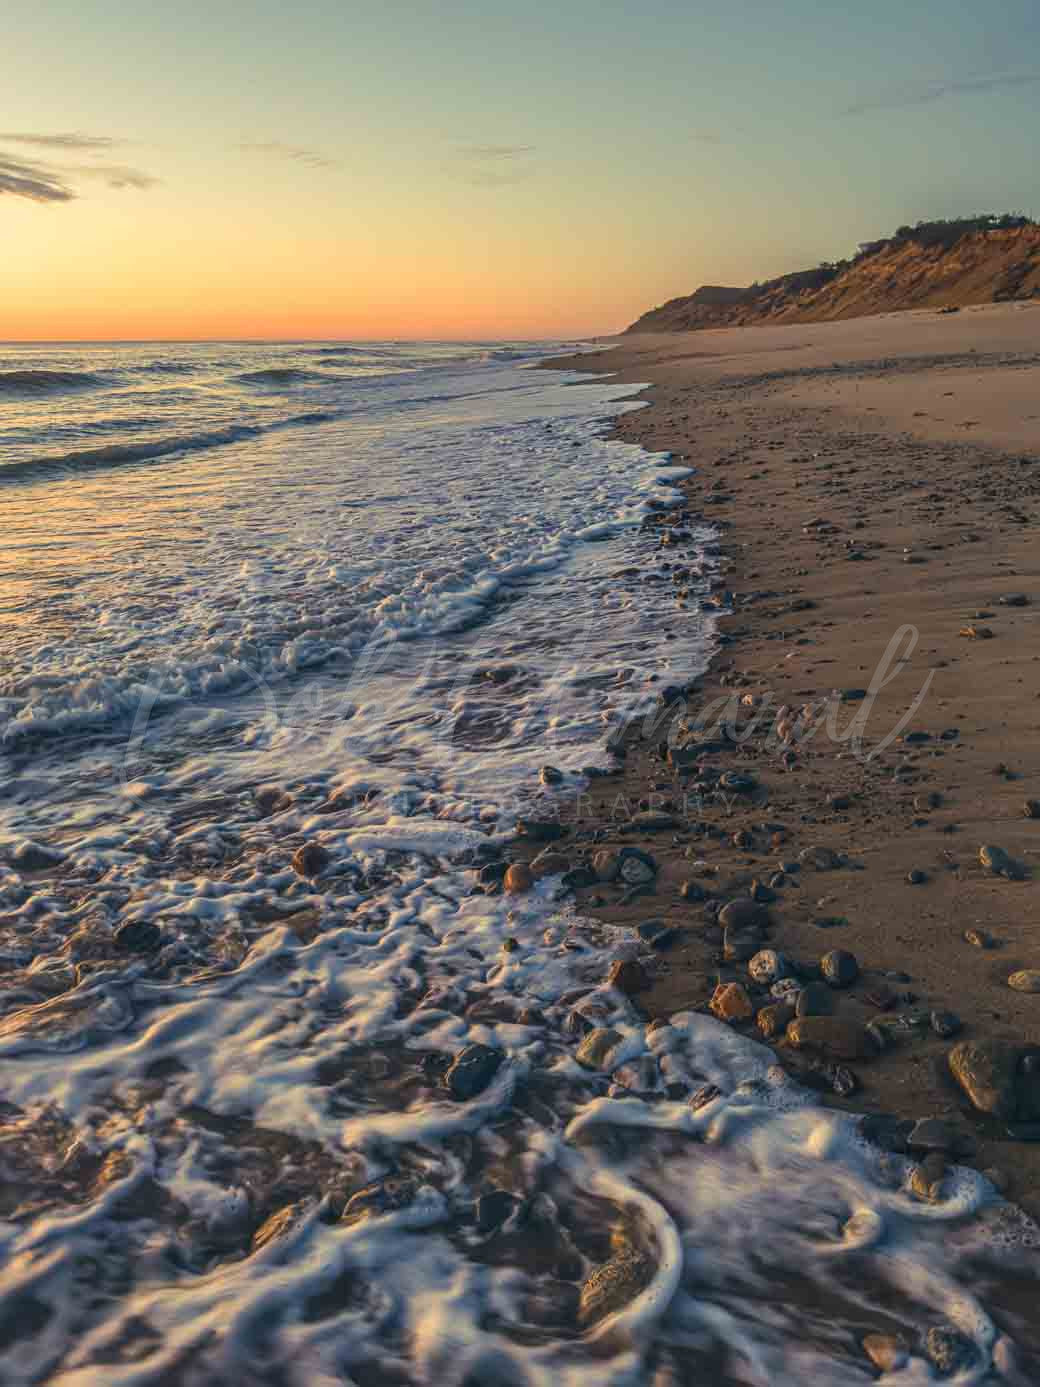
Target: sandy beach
<point>875,483</point>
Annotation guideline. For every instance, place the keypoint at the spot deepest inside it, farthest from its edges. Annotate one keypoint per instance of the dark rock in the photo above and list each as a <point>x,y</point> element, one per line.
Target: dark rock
<point>549,775</point>
<point>494,1209</point>
<point>472,1071</point>
<point>382,1197</point>
<point>839,968</point>
<point>949,1349</point>
<point>628,976</point>
<point>614,1284</point>
<point>310,860</point>
<point>933,1134</point>
<point>927,1179</point>
<point>692,891</point>
<point>832,1036</point>
<point>887,1132</point>
<point>986,1071</point>
<point>652,821</point>
<point>594,1051</point>
<point>579,877</point>
<point>744,914</point>
<point>492,873</point>
<point>1032,808</point>
<point>657,934</point>
<point>36,857</point>
<point>815,999</point>
<point>946,1024</point>
<point>774,1019</point>
<point>138,937</point>
<point>636,867</point>
<point>540,830</point>
<point>916,877</point>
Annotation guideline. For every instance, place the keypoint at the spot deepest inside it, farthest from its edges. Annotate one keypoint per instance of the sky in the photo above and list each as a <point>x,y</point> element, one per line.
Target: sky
<point>476,168</point>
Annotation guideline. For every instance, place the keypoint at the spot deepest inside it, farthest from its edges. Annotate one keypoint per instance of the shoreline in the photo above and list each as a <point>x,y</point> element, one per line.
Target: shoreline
<point>815,501</point>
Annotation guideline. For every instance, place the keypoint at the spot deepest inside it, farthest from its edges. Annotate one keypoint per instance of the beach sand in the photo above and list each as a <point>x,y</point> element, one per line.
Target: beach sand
<point>868,476</point>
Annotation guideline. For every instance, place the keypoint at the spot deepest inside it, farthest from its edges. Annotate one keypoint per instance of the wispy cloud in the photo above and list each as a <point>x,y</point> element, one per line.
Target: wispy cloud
<point>493,165</point>
<point>939,89</point>
<point>43,181</point>
<point>32,182</point>
<point>61,141</point>
<point>297,154</point>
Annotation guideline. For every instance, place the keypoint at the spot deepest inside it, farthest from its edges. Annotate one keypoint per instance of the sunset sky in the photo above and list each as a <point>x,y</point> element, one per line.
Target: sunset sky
<point>463,168</point>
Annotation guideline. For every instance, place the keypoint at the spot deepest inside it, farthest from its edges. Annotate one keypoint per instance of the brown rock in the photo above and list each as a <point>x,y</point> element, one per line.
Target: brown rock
<point>548,864</point>
<point>774,1020</point>
<point>628,976</point>
<point>1025,980</point>
<point>595,1050</point>
<point>615,1284</point>
<point>885,1351</point>
<point>927,1180</point>
<point>607,865</point>
<point>730,1002</point>
<point>310,860</point>
<point>985,1070</point>
<point>833,1036</point>
<point>518,878</point>
<point>743,914</point>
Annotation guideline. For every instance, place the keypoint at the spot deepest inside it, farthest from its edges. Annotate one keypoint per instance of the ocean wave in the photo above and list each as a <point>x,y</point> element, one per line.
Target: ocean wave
<point>33,382</point>
<point>281,375</point>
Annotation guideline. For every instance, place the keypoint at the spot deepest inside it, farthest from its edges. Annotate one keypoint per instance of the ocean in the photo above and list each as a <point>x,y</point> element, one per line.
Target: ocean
<point>379,602</point>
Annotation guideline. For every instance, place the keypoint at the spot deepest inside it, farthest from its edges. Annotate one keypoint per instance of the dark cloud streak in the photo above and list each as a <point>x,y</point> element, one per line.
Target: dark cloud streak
<point>32,182</point>
<point>924,93</point>
<point>61,141</point>
<point>297,154</point>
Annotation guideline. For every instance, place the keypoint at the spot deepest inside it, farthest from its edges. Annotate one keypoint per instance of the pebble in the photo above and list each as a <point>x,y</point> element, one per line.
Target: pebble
<point>657,934</point>
<point>138,937</point>
<point>1025,980</point>
<point>979,939</point>
<point>614,1284</point>
<point>839,968</point>
<point>606,865</point>
<point>823,859</point>
<point>948,1348</point>
<point>1014,599</point>
<point>540,830</point>
<point>637,867</point>
<point>926,1181</point>
<point>946,1024</point>
<point>786,990</point>
<point>774,1019</point>
<point>692,891</point>
<point>549,863</point>
<point>1031,808</point>
<point>768,966</point>
<point>494,1209</point>
<point>471,1071</point>
<point>650,821</point>
<point>997,861</point>
<point>628,976</point>
<point>518,878</point>
<point>550,775</point>
<point>831,1035</point>
<point>740,945</point>
<point>594,1051</point>
<point>730,1002</point>
<point>986,1071</point>
<point>886,1351</point>
<point>310,860</point>
<point>35,857</point>
<point>916,877</point>
<point>814,999</point>
<point>743,913</point>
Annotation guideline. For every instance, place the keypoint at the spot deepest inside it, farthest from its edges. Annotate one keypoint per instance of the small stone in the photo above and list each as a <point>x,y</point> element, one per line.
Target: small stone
<point>979,939</point>
<point>946,1024</point>
<point>310,860</point>
<point>1032,808</point>
<point>786,990</point>
<point>1014,599</point>
<point>540,830</point>
<point>933,1134</point>
<point>843,1081</point>
<point>606,865</point>
<point>926,1181</point>
<point>886,1351</point>
<point>382,1197</point>
<point>768,966</point>
<point>595,1050</point>
<point>823,859</point>
<point>494,1209</point>
<point>736,784</point>
<point>1025,980</point>
<point>923,803</point>
<point>579,877</point>
<point>628,976</point>
<point>777,880</point>
<point>916,877</point>
<point>997,861</point>
<point>637,867</point>
<point>831,1035</point>
<point>743,913</point>
<point>518,878</point>
<point>549,863</point>
<point>657,934</point>
<point>138,937</point>
<point>730,1002</point>
<point>692,891</point>
<point>704,1095</point>
<point>549,775</point>
<point>948,1348</point>
<point>774,1019</point>
<point>986,1071</point>
<point>651,821</point>
<point>740,945</point>
<point>815,999</point>
<point>35,857</point>
<point>977,633</point>
<point>471,1071</point>
<point>614,1285</point>
<point>510,945</point>
<point>839,968</point>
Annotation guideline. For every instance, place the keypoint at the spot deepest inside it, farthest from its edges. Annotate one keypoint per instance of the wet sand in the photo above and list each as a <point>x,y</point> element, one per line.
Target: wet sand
<point>867,477</point>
